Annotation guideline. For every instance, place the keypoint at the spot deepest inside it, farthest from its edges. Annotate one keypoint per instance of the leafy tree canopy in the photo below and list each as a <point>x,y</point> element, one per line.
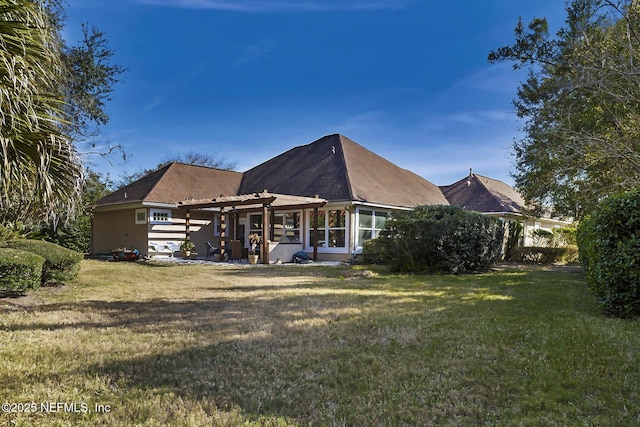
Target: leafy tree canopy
<point>50,94</point>
<point>580,105</point>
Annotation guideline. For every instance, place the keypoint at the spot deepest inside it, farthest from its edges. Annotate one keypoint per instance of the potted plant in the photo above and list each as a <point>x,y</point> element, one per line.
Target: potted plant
<point>186,247</point>
<point>254,241</point>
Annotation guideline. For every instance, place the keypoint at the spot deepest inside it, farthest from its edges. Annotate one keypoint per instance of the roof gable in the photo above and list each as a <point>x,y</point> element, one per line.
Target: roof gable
<point>308,170</point>
<point>375,179</point>
<point>483,194</point>
<point>175,182</point>
<point>338,169</point>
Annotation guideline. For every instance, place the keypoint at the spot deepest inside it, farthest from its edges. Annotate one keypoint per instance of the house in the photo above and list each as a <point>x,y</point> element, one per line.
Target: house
<point>324,198</point>
<point>495,198</point>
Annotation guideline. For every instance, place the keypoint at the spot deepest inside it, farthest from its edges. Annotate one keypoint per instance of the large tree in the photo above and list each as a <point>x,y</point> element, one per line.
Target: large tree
<point>41,173</point>
<point>580,105</point>
<point>50,95</point>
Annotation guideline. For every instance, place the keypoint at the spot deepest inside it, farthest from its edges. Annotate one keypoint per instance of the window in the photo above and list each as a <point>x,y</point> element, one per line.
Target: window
<point>370,223</point>
<point>255,224</point>
<point>141,216</point>
<point>217,225</point>
<point>286,226</point>
<point>160,216</point>
<point>332,229</point>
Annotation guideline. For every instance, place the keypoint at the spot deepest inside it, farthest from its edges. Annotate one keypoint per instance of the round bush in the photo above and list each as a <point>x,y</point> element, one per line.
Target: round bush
<point>442,238</point>
<point>61,264</point>
<point>609,248</point>
<point>20,271</point>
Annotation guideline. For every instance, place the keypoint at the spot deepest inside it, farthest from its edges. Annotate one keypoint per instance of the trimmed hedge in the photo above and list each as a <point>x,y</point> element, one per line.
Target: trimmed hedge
<point>609,242</point>
<point>441,238</point>
<point>544,255</point>
<point>61,264</point>
<point>20,271</point>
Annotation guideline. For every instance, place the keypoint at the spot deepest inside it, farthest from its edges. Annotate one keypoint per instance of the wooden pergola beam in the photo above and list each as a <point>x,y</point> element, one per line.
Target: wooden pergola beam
<point>228,201</point>
<point>265,202</point>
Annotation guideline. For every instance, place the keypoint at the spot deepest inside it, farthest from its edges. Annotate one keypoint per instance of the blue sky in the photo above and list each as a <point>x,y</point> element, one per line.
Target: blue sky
<point>249,79</point>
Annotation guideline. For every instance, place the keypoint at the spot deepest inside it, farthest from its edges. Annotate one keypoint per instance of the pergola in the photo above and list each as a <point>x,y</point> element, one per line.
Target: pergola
<point>264,202</point>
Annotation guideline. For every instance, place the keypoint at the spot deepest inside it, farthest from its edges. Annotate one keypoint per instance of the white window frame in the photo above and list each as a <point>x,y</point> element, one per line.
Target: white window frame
<point>328,249</point>
<point>160,216</point>
<point>259,230</point>
<point>141,216</point>
<point>291,229</point>
<point>374,230</point>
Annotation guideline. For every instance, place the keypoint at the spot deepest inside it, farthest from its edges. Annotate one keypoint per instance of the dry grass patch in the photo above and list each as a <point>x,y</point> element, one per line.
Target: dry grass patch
<point>209,345</point>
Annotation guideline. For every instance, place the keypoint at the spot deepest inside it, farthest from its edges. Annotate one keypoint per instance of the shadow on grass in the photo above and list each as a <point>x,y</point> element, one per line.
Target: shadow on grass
<point>383,350</point>
<point>372,359</point>
<point>233,306</point>
<point>356,353</point>
<point>356,367</point>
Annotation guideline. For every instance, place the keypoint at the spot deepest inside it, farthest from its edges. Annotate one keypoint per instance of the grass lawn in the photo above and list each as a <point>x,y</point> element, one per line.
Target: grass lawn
<point>209,345</point>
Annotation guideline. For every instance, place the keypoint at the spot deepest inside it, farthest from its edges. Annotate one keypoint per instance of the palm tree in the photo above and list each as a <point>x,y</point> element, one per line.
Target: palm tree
<point>40,171</point>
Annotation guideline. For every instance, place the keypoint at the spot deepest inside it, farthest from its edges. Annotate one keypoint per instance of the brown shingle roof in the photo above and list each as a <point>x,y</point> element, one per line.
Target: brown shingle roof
<point>338,169</point>
<point>482,194</point>
<point>334,167</point>
<point>176,182</point>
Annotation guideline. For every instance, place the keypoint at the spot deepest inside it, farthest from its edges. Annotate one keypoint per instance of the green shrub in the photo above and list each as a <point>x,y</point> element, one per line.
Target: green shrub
<point>441,238</point>
<point>542,237</point>
<point>74,235</point>
<point>609,242</point>
<point>20,271</point>
<point>373,252</point>
<point>565,236</point>
<point>545,254</point>
<point>514,233</point>
<point>61,264</point>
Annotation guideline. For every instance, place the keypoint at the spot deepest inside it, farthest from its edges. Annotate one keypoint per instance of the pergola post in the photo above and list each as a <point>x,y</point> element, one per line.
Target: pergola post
<point>264,251</point>
<point>272,224</point>
<point>187,223</point>
<point>315,234</point>
<point>223,229</point>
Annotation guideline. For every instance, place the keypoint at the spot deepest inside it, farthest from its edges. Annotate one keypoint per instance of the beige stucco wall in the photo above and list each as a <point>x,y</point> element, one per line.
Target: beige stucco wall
<point>117,229</point>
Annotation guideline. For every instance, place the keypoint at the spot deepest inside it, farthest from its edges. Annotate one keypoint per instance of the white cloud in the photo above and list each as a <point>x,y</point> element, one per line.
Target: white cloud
<point>156,101</point>
<point>254,52</point>
<point>265,6</point>
<point>367,120</point>
<point>479,118</point>
<point>499,78</point>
